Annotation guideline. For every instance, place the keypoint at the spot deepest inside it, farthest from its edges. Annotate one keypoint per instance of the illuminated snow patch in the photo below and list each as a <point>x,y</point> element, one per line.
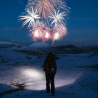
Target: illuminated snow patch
<point>32,73</point>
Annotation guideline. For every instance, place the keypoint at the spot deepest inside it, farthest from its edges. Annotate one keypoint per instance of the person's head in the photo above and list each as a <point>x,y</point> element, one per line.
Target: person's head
<point>50,56</point>
<point>50,53</point>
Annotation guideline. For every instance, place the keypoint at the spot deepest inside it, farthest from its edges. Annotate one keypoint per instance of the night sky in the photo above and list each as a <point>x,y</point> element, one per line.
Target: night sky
<point>82,24</point>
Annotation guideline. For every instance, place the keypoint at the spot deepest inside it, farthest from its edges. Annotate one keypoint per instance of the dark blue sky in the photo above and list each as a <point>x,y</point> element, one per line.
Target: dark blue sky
<point>82,24</point>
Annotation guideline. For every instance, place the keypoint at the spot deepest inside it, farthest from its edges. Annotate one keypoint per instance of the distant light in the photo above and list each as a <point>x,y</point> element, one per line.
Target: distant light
<point>36,34</point>
<point>96,44</point>
<point>47,35</point>
<point>56,36</point>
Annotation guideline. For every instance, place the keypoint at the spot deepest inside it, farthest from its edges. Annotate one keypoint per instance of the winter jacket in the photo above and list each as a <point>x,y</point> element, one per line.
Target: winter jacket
<point>54,65</point>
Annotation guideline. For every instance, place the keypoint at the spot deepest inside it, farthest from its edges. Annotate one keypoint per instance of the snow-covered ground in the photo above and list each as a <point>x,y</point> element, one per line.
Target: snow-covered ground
<point>33,47</point>
<point>40,45</point>
<point>22,76</point>
<point>11,46</point>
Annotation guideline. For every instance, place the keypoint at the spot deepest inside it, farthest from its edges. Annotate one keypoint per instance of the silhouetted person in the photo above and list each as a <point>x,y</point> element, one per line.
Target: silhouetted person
<point>50,71</point>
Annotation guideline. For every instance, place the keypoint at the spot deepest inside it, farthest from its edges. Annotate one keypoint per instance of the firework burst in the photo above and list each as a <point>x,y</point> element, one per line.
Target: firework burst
<point>39,31</point>
<point>29,18</point>
<point>49,12</point>
<point>59,31</point>
<point>57,17</point>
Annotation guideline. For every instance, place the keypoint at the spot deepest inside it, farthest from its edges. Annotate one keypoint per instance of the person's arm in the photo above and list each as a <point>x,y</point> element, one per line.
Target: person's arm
<point>55,66</point>
<point>44,63</point>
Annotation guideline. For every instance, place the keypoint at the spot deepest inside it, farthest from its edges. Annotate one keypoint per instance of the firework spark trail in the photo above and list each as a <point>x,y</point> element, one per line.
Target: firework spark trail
<point>57,17</point>
<point>59,4</point>
<point>45,8</point>
<point>48,7</point>
<point>29,17</point>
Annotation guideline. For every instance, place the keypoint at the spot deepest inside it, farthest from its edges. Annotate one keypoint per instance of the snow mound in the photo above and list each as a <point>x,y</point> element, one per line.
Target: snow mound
<point>40,45</point>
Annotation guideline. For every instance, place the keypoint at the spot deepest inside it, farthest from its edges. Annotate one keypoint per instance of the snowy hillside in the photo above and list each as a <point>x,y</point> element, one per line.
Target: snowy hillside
<point>36,48</point>
<point>40,45</point>
<point>22,76</point>
<point>11,46</point>
<point>13,57</point>
<point>43,48</point>
<point>93,46</point>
